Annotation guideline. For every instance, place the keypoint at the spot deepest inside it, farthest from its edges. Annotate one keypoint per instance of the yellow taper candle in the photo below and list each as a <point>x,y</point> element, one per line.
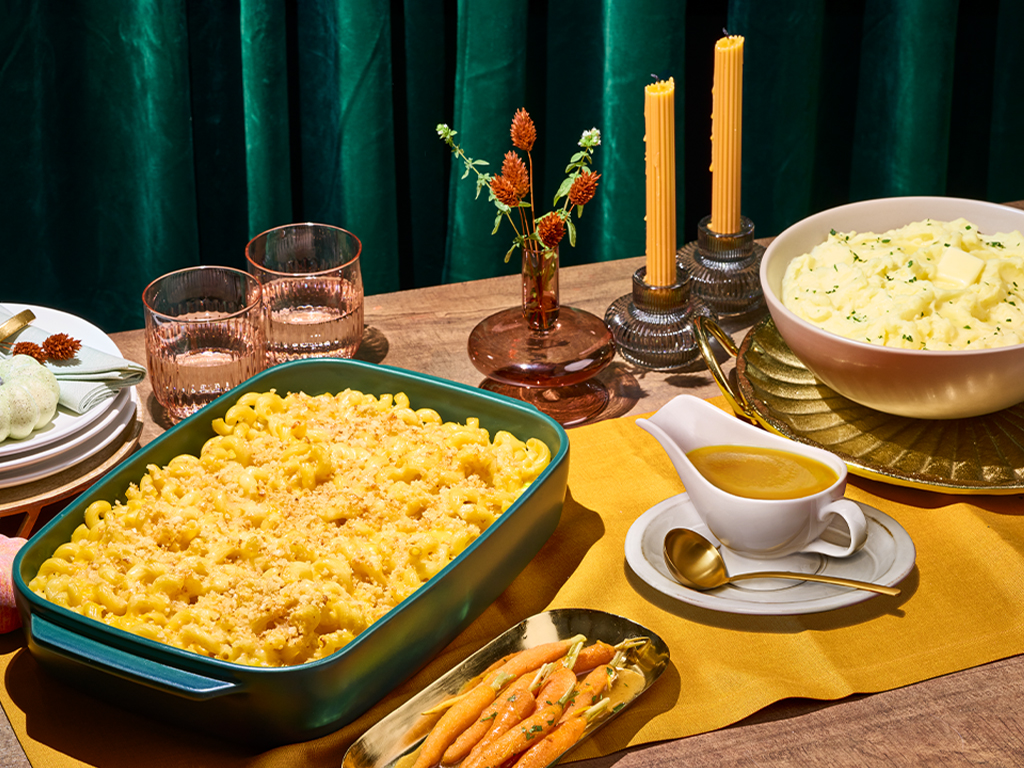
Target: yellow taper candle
<point>660,120</point>
<point>727,135</point>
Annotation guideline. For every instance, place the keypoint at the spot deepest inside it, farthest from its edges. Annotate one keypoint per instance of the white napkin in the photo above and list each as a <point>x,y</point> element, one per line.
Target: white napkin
<point>87,379</point>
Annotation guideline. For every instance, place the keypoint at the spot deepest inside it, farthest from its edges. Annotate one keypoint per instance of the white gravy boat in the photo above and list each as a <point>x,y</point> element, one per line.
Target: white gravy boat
<point>765,528</point>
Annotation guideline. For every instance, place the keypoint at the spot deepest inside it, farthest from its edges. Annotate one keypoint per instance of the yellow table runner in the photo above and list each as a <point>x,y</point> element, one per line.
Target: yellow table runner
<point>962,606</point>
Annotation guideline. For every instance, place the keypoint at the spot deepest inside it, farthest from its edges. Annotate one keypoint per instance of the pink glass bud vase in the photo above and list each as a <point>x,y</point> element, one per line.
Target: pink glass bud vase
<point>542,352</point>
<point>540,286</point>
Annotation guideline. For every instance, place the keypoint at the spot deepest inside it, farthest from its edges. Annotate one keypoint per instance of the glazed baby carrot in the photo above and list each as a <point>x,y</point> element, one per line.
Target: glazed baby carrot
<point>533,658</point>
<point>517,739</point>
<point>459,716</point>
<point>494,665</point>
<point>560,683</point>
<point>593,656</point>
<point>467,707</point>
<point>560,740</point>
<point>590,689</point>
<point>468,686</point>
<point>521,662</point>
<point>549,748</point>
<point>518,699</point>
<point>515,711</point>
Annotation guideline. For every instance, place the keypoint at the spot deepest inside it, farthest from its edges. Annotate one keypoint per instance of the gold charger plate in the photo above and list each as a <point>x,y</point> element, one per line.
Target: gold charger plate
<point>980,455</point>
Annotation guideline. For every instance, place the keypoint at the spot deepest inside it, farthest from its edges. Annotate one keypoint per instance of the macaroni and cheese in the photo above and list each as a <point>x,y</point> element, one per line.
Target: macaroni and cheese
<point>302,521</point>
<point>929,285</point>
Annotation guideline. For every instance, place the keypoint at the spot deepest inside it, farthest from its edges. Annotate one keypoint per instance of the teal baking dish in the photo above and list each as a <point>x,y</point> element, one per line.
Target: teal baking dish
<point>270,706</point>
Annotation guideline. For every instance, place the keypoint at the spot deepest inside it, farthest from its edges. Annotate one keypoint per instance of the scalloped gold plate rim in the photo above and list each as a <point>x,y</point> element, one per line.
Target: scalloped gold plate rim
<point>979,455</point>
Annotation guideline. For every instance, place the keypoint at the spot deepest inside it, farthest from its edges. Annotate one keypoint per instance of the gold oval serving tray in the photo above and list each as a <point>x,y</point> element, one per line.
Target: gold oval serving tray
<point>394,740</point>
<point>980,455</point>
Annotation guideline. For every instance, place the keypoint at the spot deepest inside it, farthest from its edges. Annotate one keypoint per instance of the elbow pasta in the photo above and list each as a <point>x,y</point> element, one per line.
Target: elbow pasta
<point>302,521</point>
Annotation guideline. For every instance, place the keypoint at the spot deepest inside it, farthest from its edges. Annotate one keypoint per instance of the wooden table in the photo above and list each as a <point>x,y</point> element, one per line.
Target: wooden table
<point>974,717</point>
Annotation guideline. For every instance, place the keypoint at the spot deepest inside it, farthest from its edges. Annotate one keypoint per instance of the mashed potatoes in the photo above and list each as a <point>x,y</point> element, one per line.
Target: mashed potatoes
<point>929,285</point>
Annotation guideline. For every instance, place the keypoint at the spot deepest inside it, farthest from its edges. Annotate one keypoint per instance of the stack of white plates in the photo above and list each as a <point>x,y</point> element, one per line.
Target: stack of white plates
<point>70,438</point>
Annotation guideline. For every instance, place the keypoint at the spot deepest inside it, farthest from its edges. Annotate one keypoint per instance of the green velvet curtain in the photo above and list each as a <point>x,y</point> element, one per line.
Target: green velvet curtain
<point>145,136</point>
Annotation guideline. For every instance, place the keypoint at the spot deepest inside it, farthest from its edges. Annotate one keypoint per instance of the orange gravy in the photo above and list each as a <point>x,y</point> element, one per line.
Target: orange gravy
<point>761,473</point>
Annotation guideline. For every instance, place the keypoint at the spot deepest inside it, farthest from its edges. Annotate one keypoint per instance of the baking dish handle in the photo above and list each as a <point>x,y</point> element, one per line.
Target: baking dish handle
<point>55,639</point>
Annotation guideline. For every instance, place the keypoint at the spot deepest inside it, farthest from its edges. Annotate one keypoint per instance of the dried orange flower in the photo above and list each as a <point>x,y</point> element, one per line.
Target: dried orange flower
<point>583,188</point>
<point>29,348</point>
<point>514,169</point>
<point>60,346</point>
<point>550,229</point>
<point>511,188</point>
<point>523,131</point>
<point>505,191</point>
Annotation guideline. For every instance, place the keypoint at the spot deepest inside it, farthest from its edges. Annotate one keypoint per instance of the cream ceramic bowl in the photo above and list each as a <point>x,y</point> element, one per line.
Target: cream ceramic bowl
<point>915,383</point>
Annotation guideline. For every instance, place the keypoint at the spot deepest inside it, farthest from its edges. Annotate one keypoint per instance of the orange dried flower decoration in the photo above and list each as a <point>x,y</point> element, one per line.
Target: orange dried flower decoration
<point>60,346</point>
<point>29,348</point>
<point>514,169</point>
<point>524,132</point>
<point>513,187</point>
<point>551,229</point>
<point>505,191</point>
<point>56,346</point>
<point>583,188</point>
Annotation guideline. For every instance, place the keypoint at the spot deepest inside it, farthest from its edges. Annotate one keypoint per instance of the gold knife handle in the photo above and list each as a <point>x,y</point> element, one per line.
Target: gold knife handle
<point>16,323</point>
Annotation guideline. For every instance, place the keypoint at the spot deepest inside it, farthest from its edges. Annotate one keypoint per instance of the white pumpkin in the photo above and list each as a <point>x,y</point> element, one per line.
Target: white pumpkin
<point>28,397</point>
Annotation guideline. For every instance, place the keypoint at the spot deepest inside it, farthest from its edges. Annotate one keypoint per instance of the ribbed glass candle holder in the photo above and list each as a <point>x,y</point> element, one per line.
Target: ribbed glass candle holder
<point>725,269</point>
<point>653,325</point>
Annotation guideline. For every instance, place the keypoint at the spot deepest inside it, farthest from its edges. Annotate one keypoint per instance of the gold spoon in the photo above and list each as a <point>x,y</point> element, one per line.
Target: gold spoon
<point>16,323</point>
<point>695,563</point>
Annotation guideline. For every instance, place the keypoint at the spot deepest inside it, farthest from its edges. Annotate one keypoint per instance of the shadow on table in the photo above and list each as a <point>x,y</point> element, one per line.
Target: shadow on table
<point>82,728</point>
<point>374,347</point>
<point>924,500</point>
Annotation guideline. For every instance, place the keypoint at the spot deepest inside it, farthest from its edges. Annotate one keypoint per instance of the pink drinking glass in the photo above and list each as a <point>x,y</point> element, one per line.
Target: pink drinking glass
<point>203,335</point>
<point>312,290</point>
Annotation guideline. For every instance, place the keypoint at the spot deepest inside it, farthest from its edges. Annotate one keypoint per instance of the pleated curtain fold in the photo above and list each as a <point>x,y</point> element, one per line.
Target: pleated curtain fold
<point>138,138</point>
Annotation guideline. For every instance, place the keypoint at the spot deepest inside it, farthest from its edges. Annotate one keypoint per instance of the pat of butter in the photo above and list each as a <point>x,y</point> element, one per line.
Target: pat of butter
<point>958,267</point>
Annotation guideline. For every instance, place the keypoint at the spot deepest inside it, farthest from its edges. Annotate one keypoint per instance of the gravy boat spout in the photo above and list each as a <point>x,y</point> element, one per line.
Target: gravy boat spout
<point>686,423</point>
<point>759,527</point>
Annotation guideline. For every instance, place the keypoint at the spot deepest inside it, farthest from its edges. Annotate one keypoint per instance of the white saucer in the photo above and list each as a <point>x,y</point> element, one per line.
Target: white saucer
<point>886,558</point>
<point>65,422</point>
<point>96,440</point>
